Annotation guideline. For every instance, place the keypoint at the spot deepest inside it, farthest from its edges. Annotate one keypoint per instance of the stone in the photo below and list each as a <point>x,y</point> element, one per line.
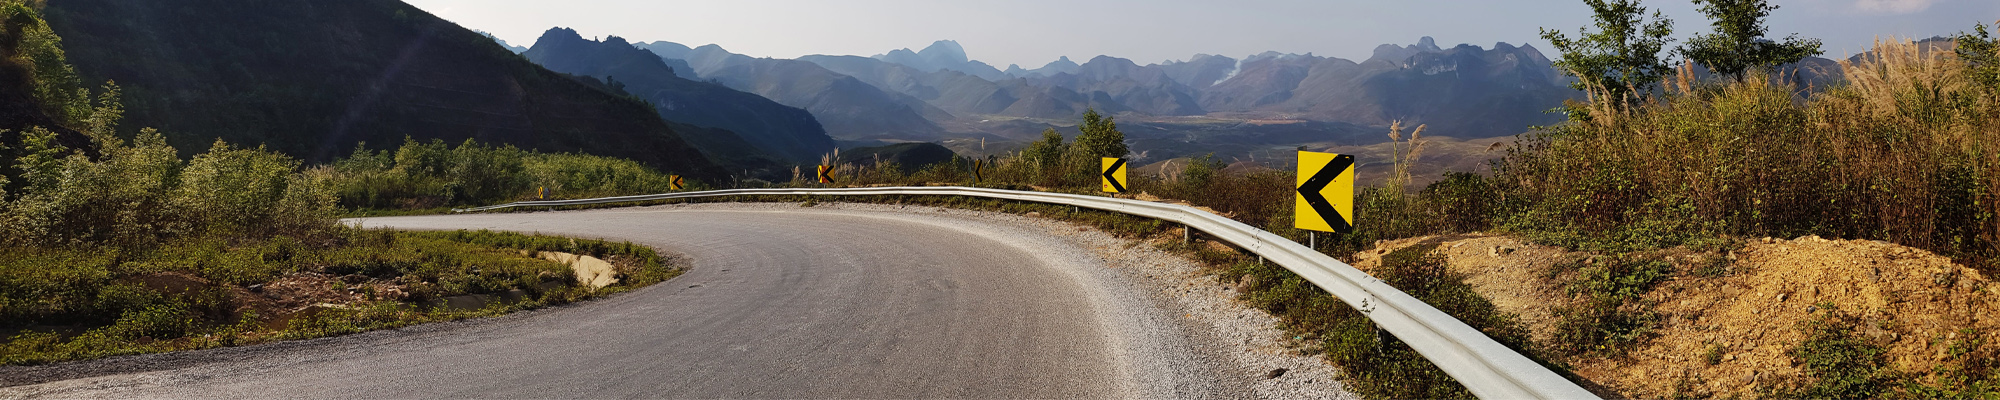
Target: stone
<point>1274,374</point>
<point>1246,284</point>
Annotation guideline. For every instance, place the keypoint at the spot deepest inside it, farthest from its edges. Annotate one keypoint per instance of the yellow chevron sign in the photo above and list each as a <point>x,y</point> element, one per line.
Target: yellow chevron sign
<point>1114,175</point>
<point>1325,195</point>
<point>826,174</point>
<point>674,183</point>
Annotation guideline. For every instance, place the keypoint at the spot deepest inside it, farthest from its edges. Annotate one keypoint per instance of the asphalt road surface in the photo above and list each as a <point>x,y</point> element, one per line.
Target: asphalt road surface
<point>781,302</point>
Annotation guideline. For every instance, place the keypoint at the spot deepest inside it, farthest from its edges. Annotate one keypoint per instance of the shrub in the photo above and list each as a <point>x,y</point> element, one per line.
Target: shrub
<point>1837,363</point>
<point>1608,314</point>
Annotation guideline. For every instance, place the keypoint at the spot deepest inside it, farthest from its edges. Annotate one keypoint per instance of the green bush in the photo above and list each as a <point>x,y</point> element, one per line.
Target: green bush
<point>1609,314</point>
<point>1837,363</point>
<point>421,175</point>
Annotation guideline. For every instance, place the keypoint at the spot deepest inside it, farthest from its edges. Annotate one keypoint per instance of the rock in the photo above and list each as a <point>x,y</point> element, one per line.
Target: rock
<point>257,288</point>
<point>1274,374</point>
<point>1781,297</point>
<point>1034,214</point>
<point>1498,251</point>
<point>1246,284</point>
<point>1767,240</point>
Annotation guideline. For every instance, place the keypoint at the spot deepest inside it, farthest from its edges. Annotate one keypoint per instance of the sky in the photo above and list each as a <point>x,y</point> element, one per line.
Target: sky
<point>1034,32</point>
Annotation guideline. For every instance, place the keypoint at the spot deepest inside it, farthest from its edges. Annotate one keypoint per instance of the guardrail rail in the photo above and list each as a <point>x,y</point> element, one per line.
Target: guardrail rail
<point>1487,368</point>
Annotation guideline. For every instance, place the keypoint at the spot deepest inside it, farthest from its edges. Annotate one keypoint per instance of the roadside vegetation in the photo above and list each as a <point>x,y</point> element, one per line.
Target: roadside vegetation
<point>432,176</point>
<point>117,246</point>
<point>111,243</point>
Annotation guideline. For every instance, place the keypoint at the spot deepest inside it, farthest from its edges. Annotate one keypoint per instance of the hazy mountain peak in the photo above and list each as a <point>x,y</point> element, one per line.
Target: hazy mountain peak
<point>710,47</point>
<point>666,49</point>
<point>942,55</point>
<point>1062,65</point>
<point>945,52</point>
<point>616,40</point>
<point>1396,54</point>
<point>906,57</point>
<point>558,34</point>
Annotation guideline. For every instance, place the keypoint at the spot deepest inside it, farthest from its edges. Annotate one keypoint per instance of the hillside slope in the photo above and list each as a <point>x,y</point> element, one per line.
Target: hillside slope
<point>313,79</point>
<point>789,133</point>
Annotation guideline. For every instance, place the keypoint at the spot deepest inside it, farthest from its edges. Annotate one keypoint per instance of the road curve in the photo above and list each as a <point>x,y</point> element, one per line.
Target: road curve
<point>782,302</point>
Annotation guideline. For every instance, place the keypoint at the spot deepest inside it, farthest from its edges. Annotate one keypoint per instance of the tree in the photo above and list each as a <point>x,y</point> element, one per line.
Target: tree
<point>1981,53</point>
<point>1738,43</point>
<point>1048,151</point>
<point>1621,61</point>
<point>1100,137</point>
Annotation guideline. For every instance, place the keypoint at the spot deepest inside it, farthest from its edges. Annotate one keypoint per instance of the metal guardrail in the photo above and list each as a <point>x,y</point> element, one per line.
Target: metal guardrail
<point>1490,370</point>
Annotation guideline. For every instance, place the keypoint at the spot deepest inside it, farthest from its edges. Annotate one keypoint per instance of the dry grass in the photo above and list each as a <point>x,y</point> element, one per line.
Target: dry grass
<point>1904,153</point>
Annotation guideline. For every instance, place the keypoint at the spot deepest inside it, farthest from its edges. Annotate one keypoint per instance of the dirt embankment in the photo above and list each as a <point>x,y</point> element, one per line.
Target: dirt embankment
<point>1746,317</point>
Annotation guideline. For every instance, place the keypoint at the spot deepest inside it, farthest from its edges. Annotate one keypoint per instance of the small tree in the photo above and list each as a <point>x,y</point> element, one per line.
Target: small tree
<point>1621,61</point>
<point>1047,152</point>
<point>1981,53</point>
<point>1738,43</point>
<point>1100,137</point>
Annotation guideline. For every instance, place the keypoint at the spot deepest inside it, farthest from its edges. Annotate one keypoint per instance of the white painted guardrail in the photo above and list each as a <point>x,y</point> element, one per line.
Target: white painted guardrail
<point>1489,369</point>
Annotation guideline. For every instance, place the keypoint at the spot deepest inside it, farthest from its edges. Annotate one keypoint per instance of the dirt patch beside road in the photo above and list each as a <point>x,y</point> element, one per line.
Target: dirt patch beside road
<point>591,271</point>
<point>1745,310</point>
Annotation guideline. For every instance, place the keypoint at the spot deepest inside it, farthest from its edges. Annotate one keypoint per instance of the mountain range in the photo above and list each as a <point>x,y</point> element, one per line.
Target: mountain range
<point>1464,91</point>
<point>791,134</point>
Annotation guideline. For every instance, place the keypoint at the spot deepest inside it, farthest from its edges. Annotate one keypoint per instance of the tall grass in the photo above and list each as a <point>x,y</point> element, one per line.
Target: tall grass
<point>1904,152</point>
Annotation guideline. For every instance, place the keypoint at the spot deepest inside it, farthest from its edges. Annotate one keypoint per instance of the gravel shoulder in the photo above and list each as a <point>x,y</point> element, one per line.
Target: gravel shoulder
<point>1138,322</point>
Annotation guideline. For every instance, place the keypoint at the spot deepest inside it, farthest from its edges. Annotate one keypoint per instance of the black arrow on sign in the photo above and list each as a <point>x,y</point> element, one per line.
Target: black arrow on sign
<point>1119,187</point>
<point>1310,190</point>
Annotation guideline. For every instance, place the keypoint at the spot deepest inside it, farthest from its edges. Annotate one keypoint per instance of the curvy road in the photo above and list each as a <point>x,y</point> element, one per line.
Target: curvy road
<point>781,302</point>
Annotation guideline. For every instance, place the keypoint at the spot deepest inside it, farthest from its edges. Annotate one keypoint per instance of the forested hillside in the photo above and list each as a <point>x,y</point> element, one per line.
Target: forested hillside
<point>313,78</point>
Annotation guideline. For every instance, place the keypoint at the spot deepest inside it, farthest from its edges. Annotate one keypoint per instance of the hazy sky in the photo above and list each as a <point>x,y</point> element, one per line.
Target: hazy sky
<point>1034,32</point>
